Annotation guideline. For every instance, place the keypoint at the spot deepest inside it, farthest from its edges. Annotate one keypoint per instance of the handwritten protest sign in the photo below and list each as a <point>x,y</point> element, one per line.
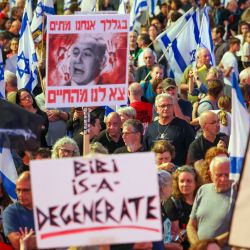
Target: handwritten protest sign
<point>87,58</point>
<point>100,200</point>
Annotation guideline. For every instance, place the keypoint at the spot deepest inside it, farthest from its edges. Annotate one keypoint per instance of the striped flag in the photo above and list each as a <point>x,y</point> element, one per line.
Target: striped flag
<point>206,35</point>
<point>153,8</point>
<point>26,60</point>
<point>8,172</point>
<point>2,85</point>
<point>138,9</point>
<point>240,125</point>
<point>181,54</point>
<point>28,9</point>
<point>122,7</point>
<point>66,5</point>
<point>43,7</point>
<point>167,36</point>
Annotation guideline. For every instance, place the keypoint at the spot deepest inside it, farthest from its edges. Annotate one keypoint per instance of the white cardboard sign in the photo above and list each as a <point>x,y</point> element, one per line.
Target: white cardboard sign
<point>91,201</point>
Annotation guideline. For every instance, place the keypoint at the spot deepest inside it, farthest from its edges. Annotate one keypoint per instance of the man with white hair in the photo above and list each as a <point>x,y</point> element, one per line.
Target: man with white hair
<point>168,127</point>
<point>213,206</point>
<point>10,81</point>
<point>245,76</point>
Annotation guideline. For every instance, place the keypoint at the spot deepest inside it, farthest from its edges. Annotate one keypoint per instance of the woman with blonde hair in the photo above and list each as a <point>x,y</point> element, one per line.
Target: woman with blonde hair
<point>65,147</point>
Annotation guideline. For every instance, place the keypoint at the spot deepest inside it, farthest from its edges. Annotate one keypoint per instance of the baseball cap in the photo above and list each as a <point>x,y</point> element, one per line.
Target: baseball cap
<point>168,83</point>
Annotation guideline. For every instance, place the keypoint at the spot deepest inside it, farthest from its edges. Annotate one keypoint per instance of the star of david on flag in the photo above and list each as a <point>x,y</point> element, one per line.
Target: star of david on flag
<point>43,7</point>
<point>26,59</point>
<point>2,87</point>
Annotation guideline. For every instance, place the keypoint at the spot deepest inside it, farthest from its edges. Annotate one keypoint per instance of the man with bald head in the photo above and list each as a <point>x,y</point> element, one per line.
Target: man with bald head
<point>143,109</point>
<point>20,214</point>
<point>196,75</point>
<point>14,29</point>
<point>210,137</point>
<point>111,137</point>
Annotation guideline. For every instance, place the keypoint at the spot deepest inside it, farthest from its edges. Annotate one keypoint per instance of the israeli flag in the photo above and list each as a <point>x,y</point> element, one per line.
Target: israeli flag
<point>139,7</point>
<point>180,53</point>
<point>122,8</point>
<point>67,4</point>
<point>12,3</point>
<point>8,172</point>
<point>167,36</point>
<point>38,22</point>
<point>206,35</point>
<point>153,8</point>
<point>240,125</point>
<point>28,9</point>
<point>2,85</point>
<point>26,60</point>
<point>88,5</point>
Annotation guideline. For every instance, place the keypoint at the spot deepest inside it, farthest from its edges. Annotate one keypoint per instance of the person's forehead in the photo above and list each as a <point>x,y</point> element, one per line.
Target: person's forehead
<point>165,100</point>
<point>68,146</point>
<point>91,45</point>
<point>128,128</point>
<point>23,183</point>
<point>222,168</point>
<point>148,54</point>
<point>113,119</point>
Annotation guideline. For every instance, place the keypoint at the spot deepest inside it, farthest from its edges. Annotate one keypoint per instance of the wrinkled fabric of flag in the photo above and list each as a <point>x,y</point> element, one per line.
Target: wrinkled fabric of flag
<point>26,60</point>
<point>2,85</point>
<point>181,54</point>
<point>43,7</point>
<point>8,172</point>
<point>240,125</point>
<point>88,5</point>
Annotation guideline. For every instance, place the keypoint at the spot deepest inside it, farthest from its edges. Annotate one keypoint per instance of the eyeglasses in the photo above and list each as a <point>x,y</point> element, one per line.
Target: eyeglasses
<point>168,106</point>
<point>27,97</point>
<point>68,151</point>
<point>128,133</point>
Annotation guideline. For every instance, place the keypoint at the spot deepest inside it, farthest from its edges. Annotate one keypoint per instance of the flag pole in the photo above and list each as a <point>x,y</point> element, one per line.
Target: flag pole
<point>86,129</point>
<point>41,55</point>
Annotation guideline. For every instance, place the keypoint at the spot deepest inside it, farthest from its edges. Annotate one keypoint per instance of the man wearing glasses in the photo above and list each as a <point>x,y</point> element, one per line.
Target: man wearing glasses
<point>168,127</point>
<point>132,131</point>
<point>210,137</point>
<point>20,214</point>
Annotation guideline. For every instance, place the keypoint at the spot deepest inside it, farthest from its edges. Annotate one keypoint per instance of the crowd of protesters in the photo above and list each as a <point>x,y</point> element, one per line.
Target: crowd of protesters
<point>187,125</point>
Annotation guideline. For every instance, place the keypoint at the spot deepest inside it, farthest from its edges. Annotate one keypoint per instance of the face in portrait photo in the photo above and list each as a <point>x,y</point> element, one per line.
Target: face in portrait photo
<point>87,60</point>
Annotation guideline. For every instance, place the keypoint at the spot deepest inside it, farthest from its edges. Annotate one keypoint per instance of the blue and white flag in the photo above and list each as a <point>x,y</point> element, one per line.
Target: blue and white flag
<point>8,172</point>
<point>43,7</point>
<point>88,5</point>
<point>122,7</point>
<point>138,9</point>
<point>26,60</point>
<point>28,9</point>
<point>67,4</point>
<point>240,125</point>
<point>181,53</point>
<point>2,86</point>
<point>167,36</point>
<point>153,8</point>
<point>12,3</point>
<point>206,35</point>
